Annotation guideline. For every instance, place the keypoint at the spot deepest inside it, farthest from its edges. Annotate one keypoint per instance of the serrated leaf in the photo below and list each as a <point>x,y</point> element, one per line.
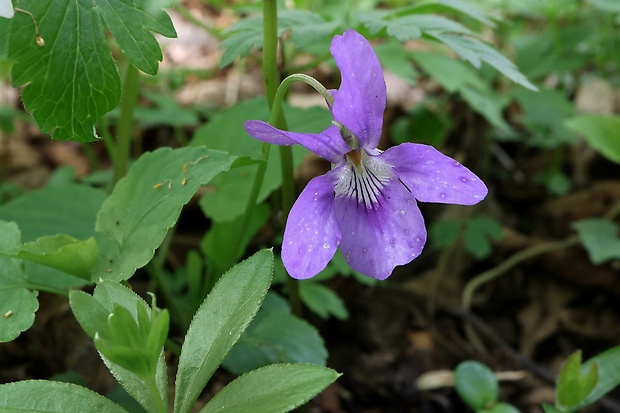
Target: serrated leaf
<point>148,201</point>
<point>272,389</point>
<point>395,58</point>
<point>65,208</point>
<point>476,385</point>
<point>6,9</point>
<point>323,301</point>
<point>228,197</point>
<point>600,238</point>
<point>601,132</point>
<point>573,385</point>
<point>71,80</point>
<point>53,397</point>
<point>476,52</point>
<point>17,303</point>
<point>218,324</point>
<point>306,28</point>
<point>135,39</point>
<point>263,344</point>
<point>457,77</point>
<point>464,7</point>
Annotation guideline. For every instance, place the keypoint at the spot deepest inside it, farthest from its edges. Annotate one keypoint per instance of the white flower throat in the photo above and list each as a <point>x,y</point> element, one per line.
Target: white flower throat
<point>363,177</point>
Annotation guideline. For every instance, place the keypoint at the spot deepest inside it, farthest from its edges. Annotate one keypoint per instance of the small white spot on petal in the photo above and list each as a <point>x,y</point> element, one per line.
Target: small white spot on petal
<point>326,246</point>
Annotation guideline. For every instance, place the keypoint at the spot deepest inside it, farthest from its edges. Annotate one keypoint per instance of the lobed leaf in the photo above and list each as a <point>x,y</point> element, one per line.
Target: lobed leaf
<point>67,68</point>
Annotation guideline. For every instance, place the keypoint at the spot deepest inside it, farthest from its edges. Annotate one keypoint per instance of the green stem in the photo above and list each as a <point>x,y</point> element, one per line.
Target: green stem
<point>159,403</point>
<point>270,49</point>
<point>272,77</point>
<point>125,123</point>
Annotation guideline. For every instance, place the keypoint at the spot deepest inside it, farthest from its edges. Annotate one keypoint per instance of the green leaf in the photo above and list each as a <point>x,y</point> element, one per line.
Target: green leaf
<point>53,397</point>
<point>71,81</point>
<point>394,57</point>
<point>322,300</point>
<point>502,408</point>
<point>444,233</point>
<point>600,238</point>
<point>167,112</point>
<point>544,114</point>
<point>457,77</point>
<point>148,201</point>
<point>264,343</point>
<point>479,230</point>
<point>573,385</point>
<point>547,408</point>
<point>306,28</point>
<point>476,52</point>
<point>63,253</point>
<point>476,385</point>
<point>92,313</point>
<point>227,198</point>
<point>17,303</point>
<point>272,389</point>
<point>600,131</point>
<point>65,208</point>
<point>464,7</point>
<point>223,244</point>
<point>608,363</point>
<point>218,324</point>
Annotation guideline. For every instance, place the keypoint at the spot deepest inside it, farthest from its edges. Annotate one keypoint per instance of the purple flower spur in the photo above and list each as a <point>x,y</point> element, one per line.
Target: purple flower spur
<point>366,203</point>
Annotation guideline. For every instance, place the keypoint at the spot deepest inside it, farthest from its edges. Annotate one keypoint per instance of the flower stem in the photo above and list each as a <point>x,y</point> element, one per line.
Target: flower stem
<point>272,77</point>
<point>125,123</point>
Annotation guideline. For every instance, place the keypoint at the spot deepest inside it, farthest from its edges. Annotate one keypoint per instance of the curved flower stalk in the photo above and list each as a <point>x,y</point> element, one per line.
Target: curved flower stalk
<point>367,203</point>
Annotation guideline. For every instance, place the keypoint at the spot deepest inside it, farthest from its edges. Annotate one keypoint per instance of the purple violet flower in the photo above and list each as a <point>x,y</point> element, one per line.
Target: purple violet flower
<point>366,204</point>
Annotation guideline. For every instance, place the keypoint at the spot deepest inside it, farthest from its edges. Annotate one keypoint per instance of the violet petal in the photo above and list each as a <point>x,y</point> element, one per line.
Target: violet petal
<point>312,234</point>
<point>434,177</point>
<point>327,144</point>
<point>361,98</point>
<point>376,240</point>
